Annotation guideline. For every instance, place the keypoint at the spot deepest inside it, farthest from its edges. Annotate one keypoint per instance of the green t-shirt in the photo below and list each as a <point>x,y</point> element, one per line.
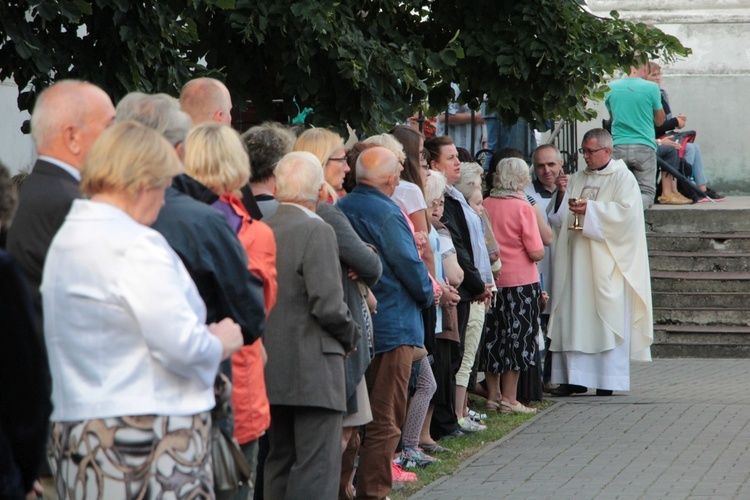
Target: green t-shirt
<point>632,102</point>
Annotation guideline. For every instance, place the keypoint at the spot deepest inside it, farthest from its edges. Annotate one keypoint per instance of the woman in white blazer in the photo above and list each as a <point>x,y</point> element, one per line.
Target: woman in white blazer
<point>132,360</point>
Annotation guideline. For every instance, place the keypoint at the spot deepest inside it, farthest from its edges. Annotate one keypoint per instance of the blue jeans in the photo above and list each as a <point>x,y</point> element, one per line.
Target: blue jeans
<point>693,157</point>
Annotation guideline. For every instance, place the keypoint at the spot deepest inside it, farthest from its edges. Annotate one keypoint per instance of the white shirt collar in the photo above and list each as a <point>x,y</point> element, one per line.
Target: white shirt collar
<point>307,211</point>
<point>59,163</point>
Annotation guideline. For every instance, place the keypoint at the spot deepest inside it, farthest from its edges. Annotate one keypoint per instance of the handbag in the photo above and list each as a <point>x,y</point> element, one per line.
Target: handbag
<point>230,467</point>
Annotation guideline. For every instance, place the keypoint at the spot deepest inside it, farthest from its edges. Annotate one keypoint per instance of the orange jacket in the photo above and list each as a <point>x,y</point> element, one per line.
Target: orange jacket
<point>252,413</point>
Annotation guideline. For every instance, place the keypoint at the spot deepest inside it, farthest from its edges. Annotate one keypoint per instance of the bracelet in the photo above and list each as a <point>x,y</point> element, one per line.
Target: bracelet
<point>658,142</point>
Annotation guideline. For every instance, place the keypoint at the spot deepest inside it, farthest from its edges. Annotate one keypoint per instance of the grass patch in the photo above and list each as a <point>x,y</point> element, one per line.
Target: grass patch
<point>498,425</point>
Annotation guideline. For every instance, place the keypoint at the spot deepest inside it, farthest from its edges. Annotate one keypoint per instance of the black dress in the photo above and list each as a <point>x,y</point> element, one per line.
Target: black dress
<point>510,338</point>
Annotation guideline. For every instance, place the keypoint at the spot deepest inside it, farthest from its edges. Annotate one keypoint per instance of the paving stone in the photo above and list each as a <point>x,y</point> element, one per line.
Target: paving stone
<point>682,432</point>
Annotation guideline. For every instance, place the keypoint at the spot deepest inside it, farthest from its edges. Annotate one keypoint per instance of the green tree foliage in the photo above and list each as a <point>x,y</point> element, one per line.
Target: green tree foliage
<point>118,44</point>
<point>368,64</point>
<point>546,58</point>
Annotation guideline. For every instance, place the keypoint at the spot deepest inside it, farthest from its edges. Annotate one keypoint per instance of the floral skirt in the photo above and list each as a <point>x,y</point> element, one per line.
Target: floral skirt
<point>511,327</point>
<point>147,456</point>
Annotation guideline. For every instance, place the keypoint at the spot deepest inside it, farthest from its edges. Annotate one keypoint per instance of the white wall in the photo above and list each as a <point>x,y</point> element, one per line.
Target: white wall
<point>16,149</point>
<point>710,86</point>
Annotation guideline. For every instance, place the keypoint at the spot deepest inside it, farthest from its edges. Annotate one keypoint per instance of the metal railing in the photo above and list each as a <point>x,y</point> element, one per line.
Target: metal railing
<point>565,137</point>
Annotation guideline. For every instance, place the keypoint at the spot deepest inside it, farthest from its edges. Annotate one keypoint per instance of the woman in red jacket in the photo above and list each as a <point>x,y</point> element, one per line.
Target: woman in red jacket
<point>216,157</point>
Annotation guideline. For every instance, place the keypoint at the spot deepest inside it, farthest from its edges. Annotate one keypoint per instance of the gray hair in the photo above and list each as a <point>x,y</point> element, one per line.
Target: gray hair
<point>266,144</point>
<point>160,112</point>
<point>470,180</point>
<point>390,143</point>
<point>602,137</point>
<point>299,177</point>
<point>558,156</point>
<point>512,174</point>
<point>434,187</point>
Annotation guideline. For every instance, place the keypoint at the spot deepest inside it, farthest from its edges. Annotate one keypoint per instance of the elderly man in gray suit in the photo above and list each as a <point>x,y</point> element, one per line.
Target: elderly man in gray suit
<point>309,332</point>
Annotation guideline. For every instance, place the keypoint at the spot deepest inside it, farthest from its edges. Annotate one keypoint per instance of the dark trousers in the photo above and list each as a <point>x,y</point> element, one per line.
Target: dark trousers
<point>446,361</point>
<point>304,460</point>
<point>260,469</point>
<point>451,355</point>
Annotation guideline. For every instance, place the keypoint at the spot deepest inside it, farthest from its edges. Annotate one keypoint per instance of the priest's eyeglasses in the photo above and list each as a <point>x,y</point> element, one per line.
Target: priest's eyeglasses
<point>589,151</point>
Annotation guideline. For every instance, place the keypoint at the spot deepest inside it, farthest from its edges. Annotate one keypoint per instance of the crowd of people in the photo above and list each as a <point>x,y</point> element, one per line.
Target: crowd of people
<point>171,285</point>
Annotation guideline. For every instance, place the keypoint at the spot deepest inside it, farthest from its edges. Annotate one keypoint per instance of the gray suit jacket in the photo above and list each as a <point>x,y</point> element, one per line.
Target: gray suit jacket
<point>310,328</point>
<point>357,256</point>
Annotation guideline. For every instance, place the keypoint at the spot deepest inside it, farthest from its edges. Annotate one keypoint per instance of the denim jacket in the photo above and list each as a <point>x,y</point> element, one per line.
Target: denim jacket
<point>404,287</point>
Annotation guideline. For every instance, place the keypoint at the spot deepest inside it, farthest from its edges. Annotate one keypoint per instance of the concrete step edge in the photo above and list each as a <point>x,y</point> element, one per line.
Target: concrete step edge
<point>701,275</point>
<point>722,294</point>
<point>702,235</point>
<point>704,309</point>
<point>708,255</point>
<point>701,329</point>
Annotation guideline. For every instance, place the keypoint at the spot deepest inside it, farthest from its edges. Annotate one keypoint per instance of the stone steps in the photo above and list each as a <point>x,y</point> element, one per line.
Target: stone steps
<point>700,261</point>
<point>700,279</point>
<point>690,341</point>
<point>702,316</point>
<point>706,282</point>
<point>699,242</point>
<point>685,300</point>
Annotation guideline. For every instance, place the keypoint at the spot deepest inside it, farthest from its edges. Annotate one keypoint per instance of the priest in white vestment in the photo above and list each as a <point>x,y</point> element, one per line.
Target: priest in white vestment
<point>601,313</point>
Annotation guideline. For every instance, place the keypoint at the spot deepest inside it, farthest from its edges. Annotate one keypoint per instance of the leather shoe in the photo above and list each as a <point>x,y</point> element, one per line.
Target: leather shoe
<point>568,389</point>
<point>548,386</point>
<point>603,392</point>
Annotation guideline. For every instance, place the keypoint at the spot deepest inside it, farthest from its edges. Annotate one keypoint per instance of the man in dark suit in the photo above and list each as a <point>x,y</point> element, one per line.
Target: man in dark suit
<point>309,332</point>
<point>68,117</point>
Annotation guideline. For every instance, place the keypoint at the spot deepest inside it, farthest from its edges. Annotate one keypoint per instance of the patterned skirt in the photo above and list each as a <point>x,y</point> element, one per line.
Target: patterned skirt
<point>510,330</point>
<point>137,457</point>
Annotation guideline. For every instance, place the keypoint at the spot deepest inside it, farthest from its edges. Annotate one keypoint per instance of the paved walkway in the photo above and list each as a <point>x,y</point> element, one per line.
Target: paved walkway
<point>682,432</point>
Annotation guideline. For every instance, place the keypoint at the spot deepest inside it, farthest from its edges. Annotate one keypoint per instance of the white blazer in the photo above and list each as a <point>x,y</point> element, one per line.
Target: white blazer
<point>124,324</point>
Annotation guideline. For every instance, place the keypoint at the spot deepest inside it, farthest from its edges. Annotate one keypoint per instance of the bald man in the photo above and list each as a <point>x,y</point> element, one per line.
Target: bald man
<point>206,100</point>
<point>67,118</point>
<point>403,291</point>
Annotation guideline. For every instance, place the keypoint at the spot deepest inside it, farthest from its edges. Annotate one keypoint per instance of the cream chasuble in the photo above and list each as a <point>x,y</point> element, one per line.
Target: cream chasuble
<point>601,313</point>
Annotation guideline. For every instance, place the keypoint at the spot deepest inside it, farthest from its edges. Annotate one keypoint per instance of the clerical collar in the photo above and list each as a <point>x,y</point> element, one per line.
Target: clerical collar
<point>601,168</point>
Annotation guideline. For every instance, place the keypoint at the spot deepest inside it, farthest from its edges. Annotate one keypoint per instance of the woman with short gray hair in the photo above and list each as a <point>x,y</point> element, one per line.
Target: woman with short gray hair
<point>510,337</point>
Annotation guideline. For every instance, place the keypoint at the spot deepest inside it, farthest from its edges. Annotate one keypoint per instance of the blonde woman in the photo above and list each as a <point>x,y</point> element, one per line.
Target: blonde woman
<point>328,147</point>
<point>132,361</point>
<point>215,156</point>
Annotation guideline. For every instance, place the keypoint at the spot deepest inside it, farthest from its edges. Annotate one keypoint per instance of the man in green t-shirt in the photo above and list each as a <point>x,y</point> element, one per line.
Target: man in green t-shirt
<point>635,106</point>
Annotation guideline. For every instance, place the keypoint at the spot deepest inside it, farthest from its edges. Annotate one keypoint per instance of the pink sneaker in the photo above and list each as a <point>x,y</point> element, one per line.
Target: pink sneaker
<point>401,476</point>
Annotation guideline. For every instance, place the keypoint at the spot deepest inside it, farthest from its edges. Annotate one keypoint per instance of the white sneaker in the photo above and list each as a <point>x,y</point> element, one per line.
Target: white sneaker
<point>467,425</point>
